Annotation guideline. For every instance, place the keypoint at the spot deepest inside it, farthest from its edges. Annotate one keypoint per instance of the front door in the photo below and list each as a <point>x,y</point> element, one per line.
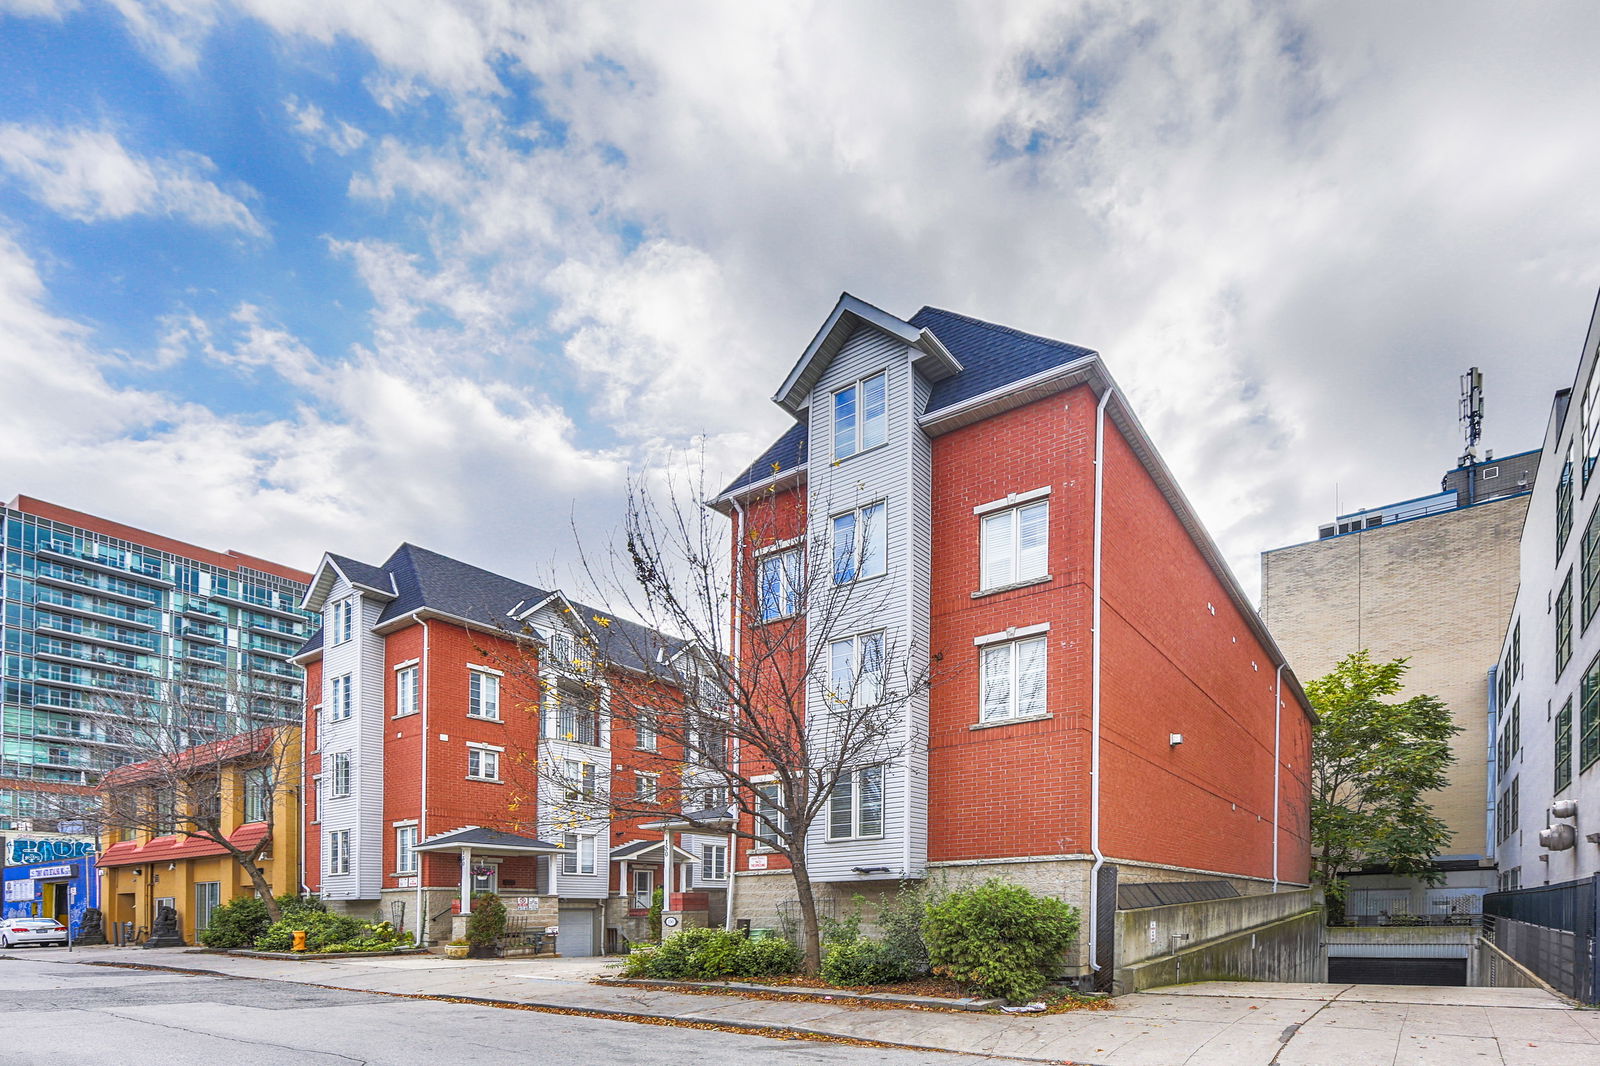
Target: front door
<point>644,889</point>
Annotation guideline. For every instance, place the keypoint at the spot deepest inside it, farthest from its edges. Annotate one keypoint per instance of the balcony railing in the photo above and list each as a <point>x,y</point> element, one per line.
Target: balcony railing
<point>92,679</point>
<point>260,601</point>
<point>72,601</point>
<point>277,669</point>
<point>103,634</point>
<point>206,611</point>
<point>271,647</point>
<point>273,625</point>
<point>203,653</point>
<point>115,660</point>
<point>124,562</point>
<point>103,584</point>
<point>203,633</point>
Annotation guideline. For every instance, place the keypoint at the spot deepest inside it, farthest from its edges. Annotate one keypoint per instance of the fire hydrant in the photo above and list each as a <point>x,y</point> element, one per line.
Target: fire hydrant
<point>299,939</point>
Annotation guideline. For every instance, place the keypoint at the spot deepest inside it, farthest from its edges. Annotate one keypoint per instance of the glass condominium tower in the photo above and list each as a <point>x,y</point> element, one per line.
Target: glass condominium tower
<point>96,616</point>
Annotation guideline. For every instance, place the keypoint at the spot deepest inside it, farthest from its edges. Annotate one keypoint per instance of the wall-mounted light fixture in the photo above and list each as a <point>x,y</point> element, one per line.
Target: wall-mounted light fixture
<point>1174,739</point>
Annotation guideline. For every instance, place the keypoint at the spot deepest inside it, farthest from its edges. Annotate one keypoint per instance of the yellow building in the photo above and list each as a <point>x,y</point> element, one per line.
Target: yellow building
<point>155,852</point>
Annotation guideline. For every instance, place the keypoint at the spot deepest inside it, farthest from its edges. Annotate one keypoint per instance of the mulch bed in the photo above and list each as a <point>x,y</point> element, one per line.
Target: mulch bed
<point>932,987</point>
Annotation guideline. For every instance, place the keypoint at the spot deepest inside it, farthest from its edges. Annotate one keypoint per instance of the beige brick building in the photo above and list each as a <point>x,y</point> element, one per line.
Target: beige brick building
<point>1433,580</point>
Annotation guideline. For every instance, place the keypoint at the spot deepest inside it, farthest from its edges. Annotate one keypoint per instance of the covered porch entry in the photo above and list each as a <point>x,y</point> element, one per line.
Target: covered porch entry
<point>523,871</point>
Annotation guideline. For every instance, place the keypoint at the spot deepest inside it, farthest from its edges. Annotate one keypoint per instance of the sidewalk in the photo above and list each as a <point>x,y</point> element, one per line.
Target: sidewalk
<point>1208,1024</point>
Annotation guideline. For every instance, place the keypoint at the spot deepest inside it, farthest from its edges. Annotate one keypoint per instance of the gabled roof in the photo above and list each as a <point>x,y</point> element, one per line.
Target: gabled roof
<point>424,580</point>
<point>369,579</point>
<point>641,848</point>
<point>787,455</point>
<point>237,748</point>
<point>849,315</point>
<point>486,841</point>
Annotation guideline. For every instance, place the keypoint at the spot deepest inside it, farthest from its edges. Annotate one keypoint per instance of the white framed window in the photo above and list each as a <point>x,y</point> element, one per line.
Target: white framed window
<point>855,806</point>
<point>1013,682</point>
<point>405,691</point>
<point>1015,544</point>
<point>770,821</point>
<point>341,698</point>
<point>778,584</point>
<point>483,763</point>
<point>705,798</point>
<point>483,694</point>
<point>405,849</point>
<point>713,862</point>
<point>344,620</point>
<point>578,857</point>
<point>258,794</point>
<point>861,416</point>
<point>579,778</point>
<point>855,670</point>
<point>644,733</point>
<point>340,783</point>
<point>859,544</point>
<point>339,851</point>
<point>646,787</point>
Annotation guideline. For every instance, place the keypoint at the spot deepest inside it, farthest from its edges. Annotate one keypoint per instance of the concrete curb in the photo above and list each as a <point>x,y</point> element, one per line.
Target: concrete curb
<point>684,1020</point>
<point>805,992</point>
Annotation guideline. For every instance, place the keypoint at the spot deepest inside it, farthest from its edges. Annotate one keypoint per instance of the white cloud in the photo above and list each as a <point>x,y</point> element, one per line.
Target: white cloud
<point>1287,228</point>
<point>313,124</point>
<point>89,175</point>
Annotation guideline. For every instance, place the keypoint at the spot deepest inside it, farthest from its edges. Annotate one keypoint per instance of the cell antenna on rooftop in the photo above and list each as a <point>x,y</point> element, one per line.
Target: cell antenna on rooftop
<point>1471,413</point>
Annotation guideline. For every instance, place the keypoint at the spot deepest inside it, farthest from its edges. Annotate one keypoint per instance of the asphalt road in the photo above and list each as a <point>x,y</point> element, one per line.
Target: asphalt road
<point>78,1015</point>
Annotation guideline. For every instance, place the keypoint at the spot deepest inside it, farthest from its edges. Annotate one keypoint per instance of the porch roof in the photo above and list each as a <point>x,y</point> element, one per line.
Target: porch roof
<point>691,820</point>
<point>488,842</point>
<point>649,850</point>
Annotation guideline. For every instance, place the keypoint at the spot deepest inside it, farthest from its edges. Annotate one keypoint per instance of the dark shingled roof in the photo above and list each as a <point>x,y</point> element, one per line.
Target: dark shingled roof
<point>991,356</point>
<point>478,837</point>
<point>786,453</point>
<point>361,573</point>
<point>423,578</point>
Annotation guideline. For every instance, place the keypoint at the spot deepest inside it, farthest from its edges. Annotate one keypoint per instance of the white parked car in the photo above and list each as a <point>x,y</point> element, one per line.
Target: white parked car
<point>16,932</point>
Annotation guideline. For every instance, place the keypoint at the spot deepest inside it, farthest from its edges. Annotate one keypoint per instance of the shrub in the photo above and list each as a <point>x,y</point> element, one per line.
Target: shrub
<point>901,920</point>
<point>862,962</point>
<point>657,901</point>
<point>236,924</point>
<point>708,954</point>
<point>321,929</point>
<point>488,921</point>
<point>999,937</point>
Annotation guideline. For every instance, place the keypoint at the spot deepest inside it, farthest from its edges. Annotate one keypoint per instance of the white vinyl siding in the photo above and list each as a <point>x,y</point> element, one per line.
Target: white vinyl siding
<point>355,712</point>
<point>859,544</point>
<point>1013,683</point>
<point>855,807</point>
<point>1015,545</point>
<point>483,694</point>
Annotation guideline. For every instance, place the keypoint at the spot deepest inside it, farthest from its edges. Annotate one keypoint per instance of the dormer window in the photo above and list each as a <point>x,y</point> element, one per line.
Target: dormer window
<point>861,416</point>
<point>344,620</point>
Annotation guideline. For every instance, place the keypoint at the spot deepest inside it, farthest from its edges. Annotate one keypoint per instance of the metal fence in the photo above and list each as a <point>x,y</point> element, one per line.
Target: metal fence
<point>1550,930</point>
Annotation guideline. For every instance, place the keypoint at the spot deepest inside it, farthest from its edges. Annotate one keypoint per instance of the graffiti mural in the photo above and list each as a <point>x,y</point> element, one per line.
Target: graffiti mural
<point>26,850</point>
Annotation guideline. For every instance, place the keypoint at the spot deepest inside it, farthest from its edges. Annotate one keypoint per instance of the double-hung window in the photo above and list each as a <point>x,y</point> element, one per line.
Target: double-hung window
<point>405,691</point>
<point>341,698</point>
<point>1591,567</point>
<point>1013,681</point>
<point>340,785</point>
<point>258,794</point>
<point>405,849</point>
<point>646,788</point>
<point>1014,545</point>
<point>578,856</point>
<point>855,670</point>
<point>579,778</point>
<point>770,820</point>
<point>644,732</point>
<point>861,416</point>
<point>713,862</point>
<point>339,851</point>
<point>859,544</point>
<point>1564,624</point>
<point>483,763</point>
<point>1589,716</point>
<point>344,620</point>
<point>778,584</point>
<point>483,694</point>
<point>855,806</point>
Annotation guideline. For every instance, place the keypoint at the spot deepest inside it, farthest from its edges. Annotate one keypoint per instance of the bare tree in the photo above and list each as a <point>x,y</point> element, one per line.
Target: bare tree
<point>193,758</point>
<point>765,702</point>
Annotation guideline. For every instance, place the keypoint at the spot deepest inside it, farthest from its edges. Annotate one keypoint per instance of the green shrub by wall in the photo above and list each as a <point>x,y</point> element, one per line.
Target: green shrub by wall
<point>1000,938</point>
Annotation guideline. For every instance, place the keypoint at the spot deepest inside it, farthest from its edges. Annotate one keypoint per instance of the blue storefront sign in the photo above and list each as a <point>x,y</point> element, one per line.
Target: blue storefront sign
<point>60,890</point>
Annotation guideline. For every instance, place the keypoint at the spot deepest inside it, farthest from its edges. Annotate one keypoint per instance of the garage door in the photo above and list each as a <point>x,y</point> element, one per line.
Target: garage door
<point>1368,971</point>
<point>576,939</point>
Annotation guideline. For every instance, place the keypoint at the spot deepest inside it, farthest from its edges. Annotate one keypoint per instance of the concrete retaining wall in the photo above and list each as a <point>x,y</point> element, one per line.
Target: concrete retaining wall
<point>1274,937</point>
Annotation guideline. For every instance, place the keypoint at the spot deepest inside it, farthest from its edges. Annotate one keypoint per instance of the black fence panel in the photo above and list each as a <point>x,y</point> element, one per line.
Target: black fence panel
<point>1568,906</point>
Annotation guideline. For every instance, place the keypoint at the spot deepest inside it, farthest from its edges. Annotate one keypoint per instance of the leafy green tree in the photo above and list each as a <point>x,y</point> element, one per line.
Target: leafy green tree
<point>1373,763</point>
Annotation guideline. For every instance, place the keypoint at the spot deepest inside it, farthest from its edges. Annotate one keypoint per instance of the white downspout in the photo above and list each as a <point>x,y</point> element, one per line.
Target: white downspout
<point>1277,764</point>
<point>422,812</point>
<point>1094,689</point>
<point>738,765</point>
<point>733,853</point>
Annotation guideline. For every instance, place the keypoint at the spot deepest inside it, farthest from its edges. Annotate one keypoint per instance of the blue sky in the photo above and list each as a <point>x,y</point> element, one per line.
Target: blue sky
<point>295,275</point>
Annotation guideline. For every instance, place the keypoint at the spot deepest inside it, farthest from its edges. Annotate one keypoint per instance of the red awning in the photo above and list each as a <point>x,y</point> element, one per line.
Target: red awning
<point>173,848</point>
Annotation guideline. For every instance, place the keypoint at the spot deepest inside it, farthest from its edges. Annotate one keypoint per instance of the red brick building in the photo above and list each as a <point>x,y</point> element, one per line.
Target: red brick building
<point>439,697</point>
<point>1108,703</point>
